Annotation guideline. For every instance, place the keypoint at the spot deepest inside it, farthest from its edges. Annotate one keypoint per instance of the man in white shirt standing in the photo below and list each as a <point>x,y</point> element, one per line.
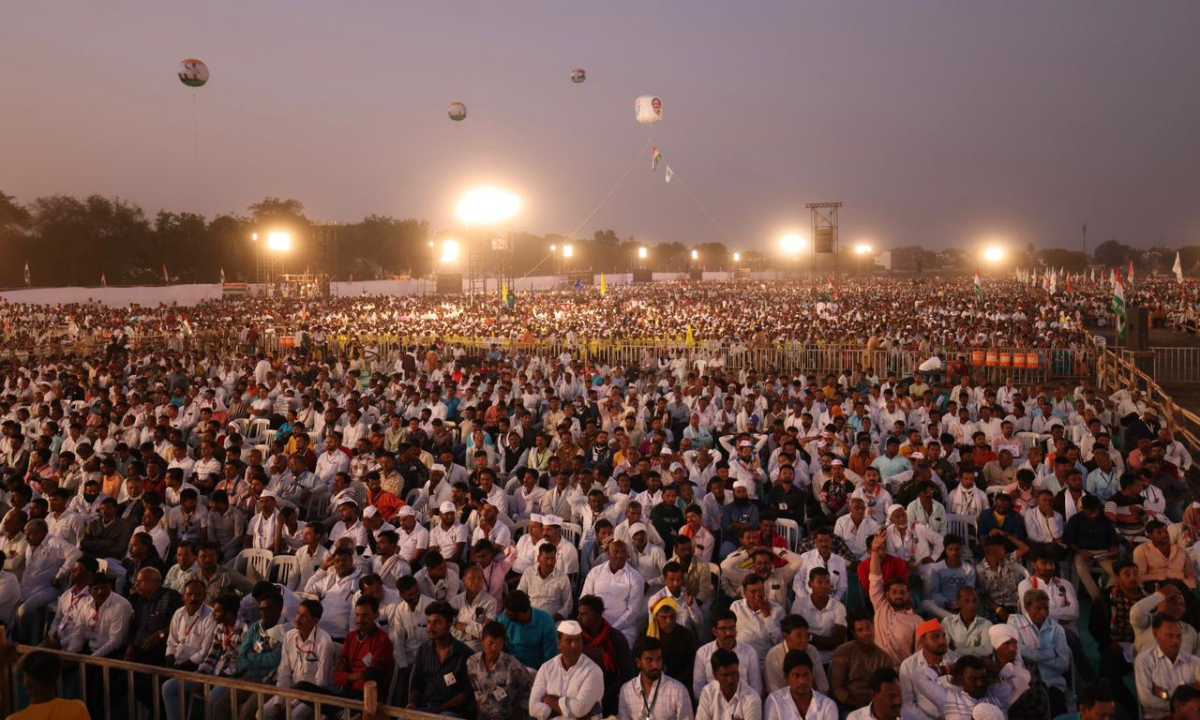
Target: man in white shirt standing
<point>569,685</point>
<point>652,695</point>
<point>621,587</point>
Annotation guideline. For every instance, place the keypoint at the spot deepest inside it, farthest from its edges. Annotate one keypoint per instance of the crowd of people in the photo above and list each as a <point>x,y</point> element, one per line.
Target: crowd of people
<point>917,314</point>
<point>515,535</point>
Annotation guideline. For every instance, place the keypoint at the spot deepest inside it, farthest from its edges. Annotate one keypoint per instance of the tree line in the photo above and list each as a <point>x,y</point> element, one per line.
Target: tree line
<point>75,241</point>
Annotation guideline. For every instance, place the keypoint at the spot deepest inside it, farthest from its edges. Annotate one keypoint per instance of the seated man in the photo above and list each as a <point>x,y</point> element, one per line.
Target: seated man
<point>1091,538</point>
<point>998,577</point>
<point>568,685</point>
<point>501,682</point>
<point>945,578</point>
<point>796,636</point>
<point>825,615</point>
<point>727,696</point>
<point>1160,559</point>
<point>855,662</point>
<point>1160,669</point>
<point>671,700</point>
<point>366,655</point>
<point>531,635</point>
<point>307,662</point>
<point>439,682</point>
<point>1043,644</point>
<point>966,631</point>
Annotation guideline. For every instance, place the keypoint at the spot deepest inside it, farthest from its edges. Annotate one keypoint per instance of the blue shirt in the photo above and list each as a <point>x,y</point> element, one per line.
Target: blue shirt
<point>534,642</point>
<point>888,467</point>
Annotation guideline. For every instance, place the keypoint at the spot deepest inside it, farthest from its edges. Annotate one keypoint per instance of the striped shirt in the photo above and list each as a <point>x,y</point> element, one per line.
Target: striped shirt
<point>1157,677</point>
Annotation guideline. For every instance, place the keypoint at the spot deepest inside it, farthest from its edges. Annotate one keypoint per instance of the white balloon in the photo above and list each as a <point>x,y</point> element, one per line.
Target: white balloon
<point>193,72</point>
<point>458,111</point>
<point>648,109</point>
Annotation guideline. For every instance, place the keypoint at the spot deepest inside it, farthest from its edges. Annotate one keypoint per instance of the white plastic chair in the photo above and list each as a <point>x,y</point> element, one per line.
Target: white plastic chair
<point>790,530</point>
<point>571,532</point>
<point>257,431</point>
<point>965,527</point>
<point>286,570</point>
<point>255,563</point>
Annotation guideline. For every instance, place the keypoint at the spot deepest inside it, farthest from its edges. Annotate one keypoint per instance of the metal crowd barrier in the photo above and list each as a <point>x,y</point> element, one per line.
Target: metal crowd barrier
<point>80,670</point>
<point>1176,364</point>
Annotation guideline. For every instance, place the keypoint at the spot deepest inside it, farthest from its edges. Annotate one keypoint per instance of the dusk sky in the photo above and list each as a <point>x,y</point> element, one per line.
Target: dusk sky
<point>936,123</point>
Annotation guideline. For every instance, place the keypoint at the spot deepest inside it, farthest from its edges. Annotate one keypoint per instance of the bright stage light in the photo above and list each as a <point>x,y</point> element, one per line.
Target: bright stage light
<point>568,251</point>
<point>863,248</point>
<point>995,253</point>
<point>737,257</point>
<point>279,241</point>
<point>695,254</point>
<point>643,253</point>
<point>450,251</point>
<point>487,206</point>
<point>792,244</point>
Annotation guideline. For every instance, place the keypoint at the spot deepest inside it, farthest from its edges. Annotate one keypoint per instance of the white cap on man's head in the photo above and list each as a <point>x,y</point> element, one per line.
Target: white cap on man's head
<point>570,627</point>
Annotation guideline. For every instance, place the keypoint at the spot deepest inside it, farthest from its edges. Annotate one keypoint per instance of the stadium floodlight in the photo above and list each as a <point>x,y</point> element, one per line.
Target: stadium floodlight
<point>568,251</point>
<point>995,254</point>
<point>643,253</point>
<point>863,248</point>
<point>451,251</point>
<point>487,206</point>
<point>792,244</point>
<point>280,241</point>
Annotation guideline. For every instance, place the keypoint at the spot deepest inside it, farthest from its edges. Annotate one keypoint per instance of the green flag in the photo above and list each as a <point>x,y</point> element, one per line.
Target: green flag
<point>1118,306</point>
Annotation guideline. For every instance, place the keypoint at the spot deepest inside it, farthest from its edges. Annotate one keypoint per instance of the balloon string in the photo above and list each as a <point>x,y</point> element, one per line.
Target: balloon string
<point>195,132</point>
<point>612,190</point>
<point>695,201</point>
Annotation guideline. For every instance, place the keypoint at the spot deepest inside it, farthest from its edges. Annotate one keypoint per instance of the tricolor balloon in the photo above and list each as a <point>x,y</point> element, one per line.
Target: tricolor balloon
<point>648,109</point>
<point>578,75</point>
<point>193,72</point>
<point>457,111</point>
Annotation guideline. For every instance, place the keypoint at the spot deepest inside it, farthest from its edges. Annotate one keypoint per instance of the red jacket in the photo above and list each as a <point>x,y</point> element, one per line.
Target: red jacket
<point>371,655</point>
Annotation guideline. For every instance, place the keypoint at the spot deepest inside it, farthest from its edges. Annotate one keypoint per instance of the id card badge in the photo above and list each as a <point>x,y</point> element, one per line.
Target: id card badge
<point>449,679</point>
<point>366,661</point>
<point>499,694</point>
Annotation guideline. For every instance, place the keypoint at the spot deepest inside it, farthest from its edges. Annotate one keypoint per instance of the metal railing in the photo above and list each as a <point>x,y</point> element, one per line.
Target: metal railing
<point>1024,366</point>
<point>80,670</point>
<point>1176,364</point>
<point>1119,372</point>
